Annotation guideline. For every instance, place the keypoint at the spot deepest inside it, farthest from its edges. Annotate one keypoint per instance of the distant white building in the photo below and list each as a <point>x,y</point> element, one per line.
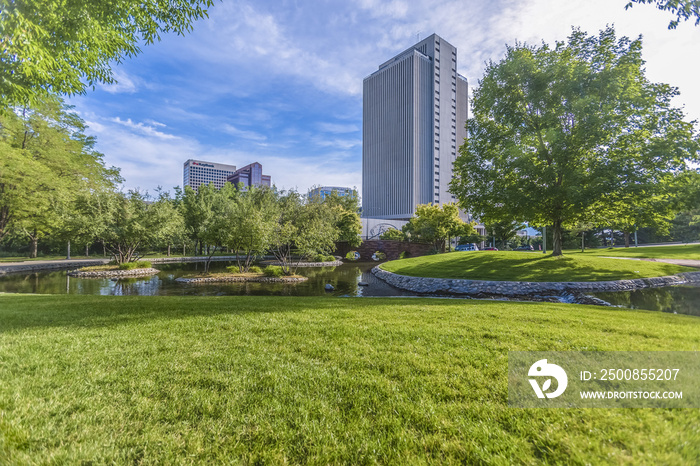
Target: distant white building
<point>324,191</point>
<point>198,172</point>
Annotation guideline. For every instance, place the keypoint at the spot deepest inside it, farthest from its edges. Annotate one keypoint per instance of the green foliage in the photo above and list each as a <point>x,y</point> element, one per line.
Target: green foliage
<point>50,46</point>
<point>135,265</point>
<point>505,231</point>
<point>435,224</point>
<point>47,166</point>
<point>292,380</point>
<point>404,254</point>
<point>392,234</point>
<point>322,258</point>
<point>379,256</point>
<point>573,133</point>
<point>683,9</point>
<point>345,211</point>
<point>273,271</point>
<point>254,269</point>
<point>351,255</point>
<point>516,266</point>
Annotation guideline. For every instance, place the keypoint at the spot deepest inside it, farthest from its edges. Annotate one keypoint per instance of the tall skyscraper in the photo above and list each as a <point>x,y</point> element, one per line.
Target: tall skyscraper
<point>414,111</point>
<point>196,173</point>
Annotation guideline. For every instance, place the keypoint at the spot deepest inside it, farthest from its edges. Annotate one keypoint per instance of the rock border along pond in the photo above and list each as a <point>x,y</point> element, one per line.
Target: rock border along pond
<point>512,288</point>
<point>113,273</point>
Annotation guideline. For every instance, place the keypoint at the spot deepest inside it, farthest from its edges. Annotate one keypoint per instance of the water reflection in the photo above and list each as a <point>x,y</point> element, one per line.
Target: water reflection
<point>683,299</point>
<point>344,279</point>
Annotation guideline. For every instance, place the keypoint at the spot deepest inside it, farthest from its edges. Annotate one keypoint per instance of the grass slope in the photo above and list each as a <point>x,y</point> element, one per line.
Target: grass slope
<point>686,251</point>
<point>528,266</point>
<point>191,380</point>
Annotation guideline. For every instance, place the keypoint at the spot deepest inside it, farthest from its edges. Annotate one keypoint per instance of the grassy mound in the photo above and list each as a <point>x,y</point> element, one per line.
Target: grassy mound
<point>528,266</point>
<point>685,251</point>
<point>296,380</point>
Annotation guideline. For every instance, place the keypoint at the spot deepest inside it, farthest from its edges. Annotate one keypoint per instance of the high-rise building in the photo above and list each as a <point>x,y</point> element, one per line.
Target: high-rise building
<point>197,172</point>
<point>250,175</point>
<point>324,191</point>
<point>414,112</point>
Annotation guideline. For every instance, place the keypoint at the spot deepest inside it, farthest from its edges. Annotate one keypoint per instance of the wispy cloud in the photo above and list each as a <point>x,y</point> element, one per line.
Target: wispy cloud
<point>143,128</point>
<point>245,134</point>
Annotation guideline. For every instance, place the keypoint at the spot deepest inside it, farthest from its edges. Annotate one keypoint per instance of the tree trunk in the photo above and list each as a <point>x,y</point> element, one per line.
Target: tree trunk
<point>184,251</point>
<point>33,247</point>
<point>583,236</point>
<point>627,238</point>
<point>87,250</point>
<point>104,249</point>
<point>68,250</point>
<point>556,234</point>
<point>168,249</point>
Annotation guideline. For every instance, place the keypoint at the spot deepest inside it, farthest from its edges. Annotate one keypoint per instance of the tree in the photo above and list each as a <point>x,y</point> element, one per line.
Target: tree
<point>504,231</point>
<point>51,46</point>
<point>558,131</point>
<point>435,224</point>
<point>196,209</point>
<point>132,224</point>
<point>683,9</point>
<point>47,161</point>
<point>347,218</point>
<point>250,219</point>
<point>392,234</point>
<point>302,229</point>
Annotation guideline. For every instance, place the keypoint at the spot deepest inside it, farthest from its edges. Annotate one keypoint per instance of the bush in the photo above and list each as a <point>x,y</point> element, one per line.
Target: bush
<point>379,256</point>
<point>352,256</point>
<point>135,265</point>
<point>273,271</point>
<point>254,269</point>
<point>404,254</point>
<point>322,258</point>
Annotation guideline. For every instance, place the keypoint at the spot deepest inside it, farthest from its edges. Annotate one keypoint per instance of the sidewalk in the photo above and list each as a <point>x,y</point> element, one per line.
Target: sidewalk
<point>685,262</point>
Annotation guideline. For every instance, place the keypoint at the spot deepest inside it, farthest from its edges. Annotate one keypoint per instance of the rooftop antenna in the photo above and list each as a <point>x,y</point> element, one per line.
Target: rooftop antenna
<point>418,36</point>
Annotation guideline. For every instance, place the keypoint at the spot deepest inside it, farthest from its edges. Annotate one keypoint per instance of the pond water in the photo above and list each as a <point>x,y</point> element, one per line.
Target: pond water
<point>344,278</point>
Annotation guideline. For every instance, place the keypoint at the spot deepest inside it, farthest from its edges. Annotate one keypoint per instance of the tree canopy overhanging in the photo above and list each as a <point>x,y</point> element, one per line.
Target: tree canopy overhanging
<point>573,133</point>
<point>51,46</point>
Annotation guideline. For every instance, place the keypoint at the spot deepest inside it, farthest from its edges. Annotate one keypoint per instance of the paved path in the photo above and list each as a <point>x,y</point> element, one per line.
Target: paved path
<point>686,262</point>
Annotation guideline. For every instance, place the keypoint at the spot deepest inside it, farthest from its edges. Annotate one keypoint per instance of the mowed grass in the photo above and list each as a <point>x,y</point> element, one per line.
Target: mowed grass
<point>192,380</point>
<point>528,266</point>
<point>685,251</point>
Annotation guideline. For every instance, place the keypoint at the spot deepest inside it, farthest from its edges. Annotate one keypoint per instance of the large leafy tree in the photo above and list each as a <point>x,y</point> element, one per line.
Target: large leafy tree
<point>560,133</point>
<point>347,218</point>
<point>60,46</point>
<point>46,162</point>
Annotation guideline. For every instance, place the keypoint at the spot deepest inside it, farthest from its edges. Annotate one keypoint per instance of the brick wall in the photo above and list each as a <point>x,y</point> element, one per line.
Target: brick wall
<point>392,249</point>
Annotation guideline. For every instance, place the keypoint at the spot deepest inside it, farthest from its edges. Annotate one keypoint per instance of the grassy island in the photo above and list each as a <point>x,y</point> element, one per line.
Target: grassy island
<point>153,380</point>
<point>528,266</point>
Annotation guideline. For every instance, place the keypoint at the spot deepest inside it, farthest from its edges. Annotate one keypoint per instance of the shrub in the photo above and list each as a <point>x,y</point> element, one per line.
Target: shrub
<point>322,258</point>
<point>352,255</point>
<point>254,269</point>
<point>404,254</point>
<point>379,256</point>
<point>135,265</point>
<point>273,271</point>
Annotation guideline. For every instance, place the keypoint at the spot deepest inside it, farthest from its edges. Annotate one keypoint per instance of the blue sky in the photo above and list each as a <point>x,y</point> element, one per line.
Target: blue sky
<point>280,82</point>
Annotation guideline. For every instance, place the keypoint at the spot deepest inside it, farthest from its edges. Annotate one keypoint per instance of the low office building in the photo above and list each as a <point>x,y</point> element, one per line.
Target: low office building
<point>198,172</point>
<point>250,175</point>
<point>325,191</point>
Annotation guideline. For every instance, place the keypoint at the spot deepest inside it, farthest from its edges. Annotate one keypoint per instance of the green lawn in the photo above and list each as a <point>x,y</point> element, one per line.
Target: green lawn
<point>163,380</point>
<point>685,251</point>
<point>528,266</point>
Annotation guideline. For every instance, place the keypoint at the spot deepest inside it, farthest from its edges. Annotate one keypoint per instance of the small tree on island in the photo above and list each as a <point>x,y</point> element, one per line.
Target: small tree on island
<point>435,224</point>
<point>560,133</point>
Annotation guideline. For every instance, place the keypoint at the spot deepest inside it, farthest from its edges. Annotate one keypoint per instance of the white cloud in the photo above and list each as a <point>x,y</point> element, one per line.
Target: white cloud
<point>250,135</point>
<point>339,128</point>
<point>144,128</point>
<point>124,83</point>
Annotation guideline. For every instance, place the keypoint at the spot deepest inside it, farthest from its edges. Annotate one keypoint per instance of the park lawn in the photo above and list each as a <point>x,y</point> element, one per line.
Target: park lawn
<point>528,266</point>
<point>172,380</point>
<point>684,251</point>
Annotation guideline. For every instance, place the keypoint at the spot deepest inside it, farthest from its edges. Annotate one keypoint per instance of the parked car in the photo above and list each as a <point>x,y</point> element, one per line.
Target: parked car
<point>490,249</point>
<point>525,248</point>
<point>466,247</point>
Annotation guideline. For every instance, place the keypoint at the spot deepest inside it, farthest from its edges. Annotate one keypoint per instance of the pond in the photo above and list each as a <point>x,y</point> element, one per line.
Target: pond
<point>345,279</point>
